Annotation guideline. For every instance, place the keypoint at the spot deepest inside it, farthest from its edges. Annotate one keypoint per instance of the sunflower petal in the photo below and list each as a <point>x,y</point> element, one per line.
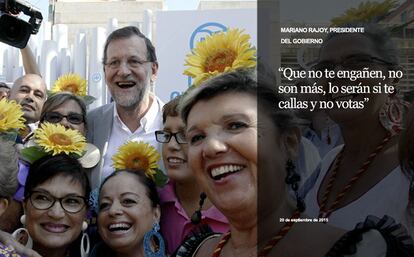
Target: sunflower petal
<point>56,139</point>
<point>220,52</point>
<point>11,116</point>
<point>138,156</point>
<point>70,83</point>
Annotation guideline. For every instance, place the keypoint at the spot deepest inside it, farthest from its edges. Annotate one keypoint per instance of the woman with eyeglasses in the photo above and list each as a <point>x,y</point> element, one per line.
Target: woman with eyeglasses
<point>362,177</point>
<point>55,206</point>
<point>183,204</point>
<point>66,109</point>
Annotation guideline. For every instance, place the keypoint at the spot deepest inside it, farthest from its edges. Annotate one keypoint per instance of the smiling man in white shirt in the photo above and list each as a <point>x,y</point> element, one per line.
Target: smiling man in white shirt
<point>130,66</point>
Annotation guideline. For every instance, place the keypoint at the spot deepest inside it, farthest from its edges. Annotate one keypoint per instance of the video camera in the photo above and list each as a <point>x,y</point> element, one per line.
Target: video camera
<point>14,31</point>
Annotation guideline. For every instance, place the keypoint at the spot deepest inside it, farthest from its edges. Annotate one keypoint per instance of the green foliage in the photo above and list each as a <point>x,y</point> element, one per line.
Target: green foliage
<point>88,99</point>
<point>9,136</point>
<point>32,153</point>
<point>160,178</point>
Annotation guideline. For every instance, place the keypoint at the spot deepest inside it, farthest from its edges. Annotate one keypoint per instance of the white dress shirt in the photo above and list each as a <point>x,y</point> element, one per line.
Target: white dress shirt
<point>120,134</point>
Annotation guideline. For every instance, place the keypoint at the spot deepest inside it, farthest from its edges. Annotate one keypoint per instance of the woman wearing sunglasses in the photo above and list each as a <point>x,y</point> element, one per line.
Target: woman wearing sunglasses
<point>66,109</point>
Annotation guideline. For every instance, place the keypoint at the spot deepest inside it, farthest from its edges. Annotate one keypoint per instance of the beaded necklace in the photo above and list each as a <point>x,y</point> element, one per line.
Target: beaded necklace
<point>323,211</point>
<point>270,244</point>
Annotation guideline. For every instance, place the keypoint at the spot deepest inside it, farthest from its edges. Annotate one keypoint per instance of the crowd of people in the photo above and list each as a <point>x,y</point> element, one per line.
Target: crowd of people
<point>243,176</point>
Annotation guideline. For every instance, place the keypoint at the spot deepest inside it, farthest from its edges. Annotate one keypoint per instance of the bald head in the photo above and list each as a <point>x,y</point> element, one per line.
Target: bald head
<point>30,92</point>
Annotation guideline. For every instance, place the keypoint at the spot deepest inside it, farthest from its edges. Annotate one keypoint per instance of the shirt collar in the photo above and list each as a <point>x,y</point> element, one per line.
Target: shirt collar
<point>149,121</point>
<point>167,195</point>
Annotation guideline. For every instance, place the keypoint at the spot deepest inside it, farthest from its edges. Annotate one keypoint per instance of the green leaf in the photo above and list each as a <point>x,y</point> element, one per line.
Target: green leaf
<point>9,136</point>
<point>49,93</point>
<point>160,178</point>
<point>32,154</point>
<point>88,99</point>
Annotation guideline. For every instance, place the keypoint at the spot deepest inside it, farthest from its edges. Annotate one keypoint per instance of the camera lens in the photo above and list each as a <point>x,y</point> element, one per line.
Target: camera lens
<point>14,31</point>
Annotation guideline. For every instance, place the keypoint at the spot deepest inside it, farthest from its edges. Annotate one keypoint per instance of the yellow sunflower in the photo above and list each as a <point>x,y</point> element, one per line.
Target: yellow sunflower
<point>221,52</point>
<point>57,139</point>
<point>70,83</point>
<point>11,115</point>
<point>137,156</point>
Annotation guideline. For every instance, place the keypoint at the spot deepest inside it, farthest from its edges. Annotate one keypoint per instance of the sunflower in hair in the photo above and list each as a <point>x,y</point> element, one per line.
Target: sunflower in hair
<point>11,116</point>
<point>139,156</point>
<point>53,139</point>
<point>221,52</point>
<point>70,83</point>
<point>56,139</point>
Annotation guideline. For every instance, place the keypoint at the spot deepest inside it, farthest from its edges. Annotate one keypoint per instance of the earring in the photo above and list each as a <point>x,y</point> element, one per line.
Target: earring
<point>93,200</point>
<point>292,179</point>
<point>22,235</point>
<point>392,113</point>
<point>84,241</point>
<point>196,217</point>
<point>23,219</point>
<point>148,249</point>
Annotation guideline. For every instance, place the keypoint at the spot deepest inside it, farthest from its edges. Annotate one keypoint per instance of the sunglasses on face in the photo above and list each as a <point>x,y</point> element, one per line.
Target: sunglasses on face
<point>55,117</point>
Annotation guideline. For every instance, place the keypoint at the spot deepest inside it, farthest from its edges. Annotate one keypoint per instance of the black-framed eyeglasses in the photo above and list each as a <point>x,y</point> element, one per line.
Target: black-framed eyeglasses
<point>72,117</point>
<point>354,62</point>
<point>131,63</point>
<point>44,201</point>
<point>165,137</point>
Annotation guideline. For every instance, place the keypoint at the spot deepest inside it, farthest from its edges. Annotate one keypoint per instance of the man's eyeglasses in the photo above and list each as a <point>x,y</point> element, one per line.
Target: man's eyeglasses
<point>131,63</point>
<point>44,201</point>
<point>55,117</point>
<point>165,137</point>
<point>354,62</point>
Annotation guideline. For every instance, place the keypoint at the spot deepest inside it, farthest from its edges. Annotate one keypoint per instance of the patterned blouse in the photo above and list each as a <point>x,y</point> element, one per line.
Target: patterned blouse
<point>6,251</point>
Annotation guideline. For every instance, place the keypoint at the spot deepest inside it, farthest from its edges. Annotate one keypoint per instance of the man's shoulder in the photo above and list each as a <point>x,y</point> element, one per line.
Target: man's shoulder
<point>100,110</point>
